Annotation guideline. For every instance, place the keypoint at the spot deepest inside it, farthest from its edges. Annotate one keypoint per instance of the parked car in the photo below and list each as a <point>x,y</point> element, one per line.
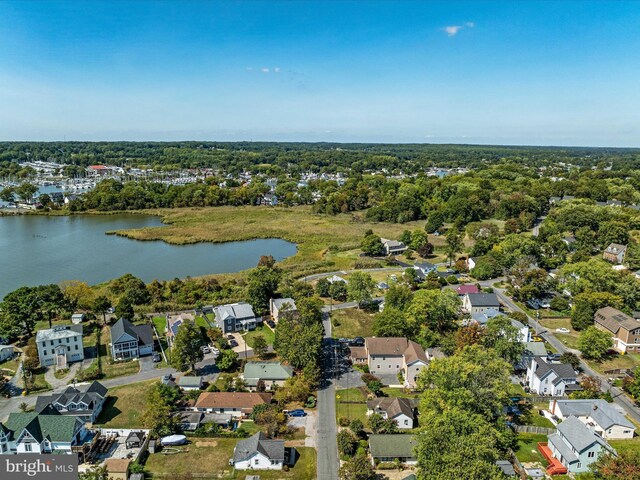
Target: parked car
<point>554,356</point>
<point>233,343</point>
<point>230,337</point>
<point>562,330</point>
<point>357,342</point>
<point>298,412</point>
<point>156,357</point>
<point>205,349</point>
<point>271,323</point>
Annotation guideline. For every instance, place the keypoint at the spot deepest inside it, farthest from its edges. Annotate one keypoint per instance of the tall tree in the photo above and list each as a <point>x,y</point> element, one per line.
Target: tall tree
<point>186,350</point>
<point>455,244</point>
<point>594,343</point>
<point>504,338</point>
<point>360,287</point>
<point>435,309</point>
<point>101,305</point>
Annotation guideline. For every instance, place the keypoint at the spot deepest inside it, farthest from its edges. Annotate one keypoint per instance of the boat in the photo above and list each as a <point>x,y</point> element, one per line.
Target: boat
<point>173,440</point>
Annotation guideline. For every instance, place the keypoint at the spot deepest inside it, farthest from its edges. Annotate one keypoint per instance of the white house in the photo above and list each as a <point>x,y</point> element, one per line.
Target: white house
<point>393,247</point>
<point>77,318</point>
<point>597,414</point>
<point>523,330</point>
<point>190,383</point>
<point>6,352</point>
<point>400,410</point>
<point>259,453</point>
<point>130,341</point>
<point>480,302</point>
<point>278,305</point>
<point>60,345</point>
<point>555,379</point>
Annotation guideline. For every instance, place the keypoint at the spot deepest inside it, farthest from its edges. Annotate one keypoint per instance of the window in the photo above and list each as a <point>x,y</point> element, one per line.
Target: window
<point>51,342</point>
<point>579,465</point>
<point>256,461</point>
<point>67,339</point>
<point>406,422</point>
<point>591,454</point>
<point>27,447</point>
<point>44,353</point>
<point>76,347</point>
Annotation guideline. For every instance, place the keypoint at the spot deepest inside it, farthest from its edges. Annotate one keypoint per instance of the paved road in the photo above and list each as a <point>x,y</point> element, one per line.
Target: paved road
<point>316,276</point>
<point>326,423</point>
<point>619,397</point>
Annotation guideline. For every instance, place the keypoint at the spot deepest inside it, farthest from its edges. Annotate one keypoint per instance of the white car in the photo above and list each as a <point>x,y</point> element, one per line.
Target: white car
<point>562,330</point>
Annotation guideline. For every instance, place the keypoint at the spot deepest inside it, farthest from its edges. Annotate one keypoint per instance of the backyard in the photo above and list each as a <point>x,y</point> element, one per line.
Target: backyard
<point>527,448</point>
<point>263,330</point>
<point>352,322</point>
<point>124,406</point>
<point>351,403</point>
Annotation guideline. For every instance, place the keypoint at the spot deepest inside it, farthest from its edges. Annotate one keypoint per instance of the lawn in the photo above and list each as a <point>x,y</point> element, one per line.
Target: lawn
<point>11,365</point>
<point>399,392</point>
<point>351,322</point>
<point>318,237</point>
<point>119,369</point>
<point>535,419</point>
<point>125,405</point>
<point>265,331</point>
<point>160,323</point>
<point>346,406</point>
<point>209,458</point>
<point>202,323</point>
<point>527,448</point>
<point>612,362</point>
<point>626,445</point>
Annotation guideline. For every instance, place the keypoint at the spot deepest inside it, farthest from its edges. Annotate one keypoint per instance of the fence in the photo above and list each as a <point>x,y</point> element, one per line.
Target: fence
<point>542,399</point>
<point>533,429</point>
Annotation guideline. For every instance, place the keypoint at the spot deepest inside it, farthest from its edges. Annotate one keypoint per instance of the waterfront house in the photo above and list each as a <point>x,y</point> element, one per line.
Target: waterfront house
<point>270,373</point>
<point>235,317</point>
<point>60,345</point>
<point>130,341</point>
<point>82,401</point>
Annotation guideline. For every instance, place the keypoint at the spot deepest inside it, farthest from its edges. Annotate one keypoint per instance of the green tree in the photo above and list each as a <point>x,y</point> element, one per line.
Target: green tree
<point>101,305</point>
<point>157,414</point>
<point>347,442</point>
<point>435,220</point>
<point>594,343</point>
<point>358,468</point>
<point>391,322</point>
<point>338,291</point>
<point>226,360</point>
<point>436,309</point>
<point>454,245</point>
<point>186,350</point>
<point>360,287</point>
<point>322,287</point>
<point>124,309</point>
<point>262,285</point>
<point>95,472</point>
<point>298,340</point>
<point>260,346</point>
<point>379,424</point>
<point>398,296</point>
<point>372,245</point>
<point>570,358</point>
<point>504,338</point>
<point>624,465</point>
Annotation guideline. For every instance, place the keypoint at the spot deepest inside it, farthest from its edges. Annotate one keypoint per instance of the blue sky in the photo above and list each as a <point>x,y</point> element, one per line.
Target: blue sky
<point>517,72</point>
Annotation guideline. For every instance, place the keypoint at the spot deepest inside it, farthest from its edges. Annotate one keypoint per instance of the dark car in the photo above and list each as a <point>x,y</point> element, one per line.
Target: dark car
<point>156,357</point>
<point>297,413</point>
<point>233,343</point>
<point>271,323</point>
<point>553,356</point>
<point>357,342</point>
<point>230,337</point>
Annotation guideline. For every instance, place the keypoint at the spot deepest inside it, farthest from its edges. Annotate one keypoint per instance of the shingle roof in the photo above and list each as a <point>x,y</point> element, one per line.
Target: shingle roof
<point>600,410</point>
<point>272,449</point>
<point>238,311</point>
<point>468,288</point>
<point>562,370</point>
<point>483,300</point>
<point>117,465</point>
<point>562,447</point>
<point>579,435</point>
<point>89,394</point>
<point>186,381</point>
<point>392,406</point>
<point>49,424</point>
<point>394,446</point>
<point>243,400</point>
<point>612,319</point>
<point>278,303</point>
<point>145,333</point>
<point>266,371</point>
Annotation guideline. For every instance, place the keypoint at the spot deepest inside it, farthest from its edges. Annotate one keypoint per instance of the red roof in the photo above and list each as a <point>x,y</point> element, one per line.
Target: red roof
<point>97,167</point>
<point>470,288</point>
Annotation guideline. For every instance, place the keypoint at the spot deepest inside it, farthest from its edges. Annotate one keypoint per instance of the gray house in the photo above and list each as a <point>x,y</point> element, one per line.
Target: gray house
<point>130,341</point>
<point>235,317</point>
<point>259,453</point>
<point>82,401</point>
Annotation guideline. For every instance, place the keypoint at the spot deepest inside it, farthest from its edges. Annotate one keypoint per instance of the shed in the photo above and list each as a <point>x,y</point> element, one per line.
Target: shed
<point>77,318</point>
<point>134,440</point>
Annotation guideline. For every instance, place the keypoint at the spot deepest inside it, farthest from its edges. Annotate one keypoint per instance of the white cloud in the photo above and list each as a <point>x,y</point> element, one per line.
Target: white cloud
<point>264,70</point>
<point>276,70</point>
<point>452,30</point>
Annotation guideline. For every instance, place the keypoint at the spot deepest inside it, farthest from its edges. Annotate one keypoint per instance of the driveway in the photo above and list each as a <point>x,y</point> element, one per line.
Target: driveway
<point>243,350</point>
<point>146,364</point>
<point>207,368</point>
<point>350,378</point>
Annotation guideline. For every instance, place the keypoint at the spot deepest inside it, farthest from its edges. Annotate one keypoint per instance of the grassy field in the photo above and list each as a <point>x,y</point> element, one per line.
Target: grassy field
<point>11,365</point>
<point>125,405</point>
<point>319,237</point>
<point>344,407</point>
<point>265,331</point>
<point>210,456</point>
<point>399,392</point>
<point>626,445</point>
<point>352,322</point>
<point>527,450</point>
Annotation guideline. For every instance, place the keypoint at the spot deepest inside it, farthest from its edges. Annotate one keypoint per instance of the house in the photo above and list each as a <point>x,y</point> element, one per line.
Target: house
<point>77,318</point>
<point>82,401</point>
<point>6,352</point>
<point>60,345</point>
<point>531,349</point>
<point>189,421</point>
<point>235,317</point>
<point>573,447</point>
<point>46,432</point>
<point>259,453</point>
<point>130,341</point>
<point>173,324</point>
<point>389,447</point>
<point>271,373</point>
<point>464,289</point>
<point>118,468</point>
<point>471,263</point>
<point>624,329</point>
<point>480,302</point>
<point>523,330</point>
<point>188,383</point>
<point>389,356</point>
<point>277,305</point>
<point>269,199</point>
<point>336,278</point>
<point>423,269</point>
<point>97,170</point>
<point>484,317</point>
<point>237,404</point>
<point>615,253</point>
<point>393,247</point>
<point>555,379</point>
<point>400,410</point>
<point>599,415</point>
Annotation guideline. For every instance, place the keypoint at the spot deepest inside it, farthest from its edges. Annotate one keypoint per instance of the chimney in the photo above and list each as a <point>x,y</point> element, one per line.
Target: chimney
<point>553,409</point>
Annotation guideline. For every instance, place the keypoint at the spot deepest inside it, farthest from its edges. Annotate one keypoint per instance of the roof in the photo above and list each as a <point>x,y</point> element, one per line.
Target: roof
<point>235,310</point>
<point>468,288</point>
<point>562,447</point>
<point>392,346</point>
<point>189,417</point>
<point>278,303</point>
<point>60,331</point>
<point>612,319</point>
<point>357,352</point>
<point>602,412</point>
<point>259,443</point>
<point>424,266</point>
<point>390,445</point>
<point>579,435</point>
<point>186,381</point>
<point>49,424</point>
<point>506,467</point>
<point>393,406</point>
<point>535,348</point>
<point>483,299</point>
<point>392,243</point>
<point>267,371</point>
<point>616,248</point>
<point>145,333</point>
<point>89,394</point>
<point>243,400</point>
<point>117,465</point>
<point>562,370</point>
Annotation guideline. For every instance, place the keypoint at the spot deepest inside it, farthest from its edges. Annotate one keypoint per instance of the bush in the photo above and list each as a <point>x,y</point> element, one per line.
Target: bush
<point>344,421</point>
<point>559,304</point>
<point>387,466</point>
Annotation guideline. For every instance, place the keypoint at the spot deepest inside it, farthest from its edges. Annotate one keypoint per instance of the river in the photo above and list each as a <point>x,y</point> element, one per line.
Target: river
<point>36,250</point>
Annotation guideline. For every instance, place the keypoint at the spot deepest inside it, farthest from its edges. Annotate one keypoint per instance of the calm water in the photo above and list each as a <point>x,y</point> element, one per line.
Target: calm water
<point>38,250</point>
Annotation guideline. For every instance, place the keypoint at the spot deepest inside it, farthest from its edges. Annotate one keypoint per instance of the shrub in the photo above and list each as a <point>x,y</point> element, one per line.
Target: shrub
<point>344,421</point>
<point>387,466</point>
